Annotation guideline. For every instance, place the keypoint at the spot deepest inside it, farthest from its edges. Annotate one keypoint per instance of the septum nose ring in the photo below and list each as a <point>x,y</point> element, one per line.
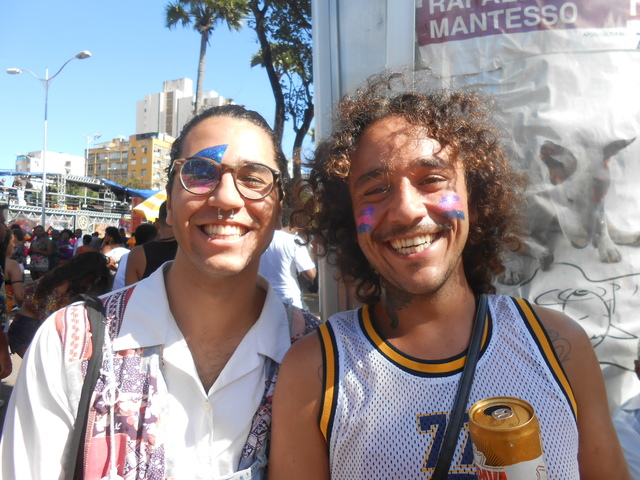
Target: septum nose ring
<point>231,217</point>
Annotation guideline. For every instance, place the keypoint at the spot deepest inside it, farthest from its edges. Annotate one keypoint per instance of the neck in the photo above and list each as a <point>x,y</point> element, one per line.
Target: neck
<point>200,302</point>
<point>214,315</point>
<point>430,327</point>
<point>165,233</point>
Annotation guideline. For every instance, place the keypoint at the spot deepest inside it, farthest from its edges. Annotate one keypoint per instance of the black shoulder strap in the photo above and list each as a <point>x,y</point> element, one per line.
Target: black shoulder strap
<point>451,437</point>
<point>95,311</point>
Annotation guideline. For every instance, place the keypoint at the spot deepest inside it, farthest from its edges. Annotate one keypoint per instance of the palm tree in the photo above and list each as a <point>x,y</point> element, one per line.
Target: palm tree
<point>204,16</point>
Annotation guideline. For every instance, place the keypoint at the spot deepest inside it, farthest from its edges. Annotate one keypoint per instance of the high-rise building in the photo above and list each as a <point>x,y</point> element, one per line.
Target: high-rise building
<point>143,157</point>
<point>168,111</point>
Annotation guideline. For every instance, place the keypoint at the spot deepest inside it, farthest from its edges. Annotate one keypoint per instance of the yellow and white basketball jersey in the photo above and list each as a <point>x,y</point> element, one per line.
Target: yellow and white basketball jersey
<point>384,414</point>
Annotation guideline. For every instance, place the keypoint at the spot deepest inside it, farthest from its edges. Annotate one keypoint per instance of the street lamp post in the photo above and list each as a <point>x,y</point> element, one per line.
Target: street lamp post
<point>45,82</point>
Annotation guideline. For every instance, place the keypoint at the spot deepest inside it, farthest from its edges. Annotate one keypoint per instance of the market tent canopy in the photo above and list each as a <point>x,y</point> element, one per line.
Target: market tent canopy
<point>150,208</point>
<point>131,192</point>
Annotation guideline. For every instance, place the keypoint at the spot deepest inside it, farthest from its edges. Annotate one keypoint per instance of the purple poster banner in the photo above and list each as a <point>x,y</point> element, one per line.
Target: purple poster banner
<point>439,21</point>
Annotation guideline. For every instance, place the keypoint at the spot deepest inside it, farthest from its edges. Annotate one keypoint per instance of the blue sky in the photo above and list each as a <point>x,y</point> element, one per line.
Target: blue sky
<point>133,53</point>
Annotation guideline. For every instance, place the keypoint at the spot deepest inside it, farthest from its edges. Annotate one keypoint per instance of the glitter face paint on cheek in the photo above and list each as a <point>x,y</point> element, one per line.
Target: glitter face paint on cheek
<point>365,220</point>
<point>213,153</point>
<point>452,206</point>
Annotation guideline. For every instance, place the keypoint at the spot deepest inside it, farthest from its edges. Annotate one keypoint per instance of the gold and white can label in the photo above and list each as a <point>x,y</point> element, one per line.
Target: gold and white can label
<point>507,444</point>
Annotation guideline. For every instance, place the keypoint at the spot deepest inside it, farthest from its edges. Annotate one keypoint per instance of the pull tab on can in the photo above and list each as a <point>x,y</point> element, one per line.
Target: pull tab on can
<point>502,413</point>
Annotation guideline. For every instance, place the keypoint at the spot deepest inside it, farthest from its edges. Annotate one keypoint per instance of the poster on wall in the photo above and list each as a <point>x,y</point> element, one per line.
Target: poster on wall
<point>566,78</point>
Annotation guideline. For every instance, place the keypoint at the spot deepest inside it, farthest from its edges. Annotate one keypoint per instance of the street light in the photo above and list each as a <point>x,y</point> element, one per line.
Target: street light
<point>90,138</point>
<point>45,82</point>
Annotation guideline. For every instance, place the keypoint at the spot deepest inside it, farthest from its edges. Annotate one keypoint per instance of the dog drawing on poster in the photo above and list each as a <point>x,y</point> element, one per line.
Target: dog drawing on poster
<point>567,140</point>
<point>571,202</point>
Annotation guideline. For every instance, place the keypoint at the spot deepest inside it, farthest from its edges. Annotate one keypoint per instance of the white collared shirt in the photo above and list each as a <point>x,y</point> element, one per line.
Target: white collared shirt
<point>206,431</point>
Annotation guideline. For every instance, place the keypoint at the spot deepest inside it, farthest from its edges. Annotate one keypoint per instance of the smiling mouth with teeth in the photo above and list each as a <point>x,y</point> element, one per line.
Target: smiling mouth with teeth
<point>227,232</point>
<point>408,246</point>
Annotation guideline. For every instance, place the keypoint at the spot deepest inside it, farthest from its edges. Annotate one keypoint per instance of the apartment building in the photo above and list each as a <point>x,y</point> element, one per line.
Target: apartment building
<point>149,157</point>
<point>142,156</point>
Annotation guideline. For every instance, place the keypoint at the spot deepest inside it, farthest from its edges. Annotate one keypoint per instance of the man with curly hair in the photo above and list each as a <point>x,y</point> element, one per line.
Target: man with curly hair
<point>415,199</point>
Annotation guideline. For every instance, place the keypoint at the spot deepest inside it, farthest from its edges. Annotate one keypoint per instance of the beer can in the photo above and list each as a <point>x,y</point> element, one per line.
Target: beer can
<point>507,444</point>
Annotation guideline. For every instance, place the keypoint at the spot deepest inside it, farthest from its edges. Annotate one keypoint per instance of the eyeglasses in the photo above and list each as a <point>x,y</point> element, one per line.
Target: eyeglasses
<point>201,176</point>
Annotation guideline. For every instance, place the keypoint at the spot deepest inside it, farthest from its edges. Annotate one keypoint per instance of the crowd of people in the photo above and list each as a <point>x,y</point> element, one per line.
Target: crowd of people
<point>413,198</point>
<point>21,191</point>
<point>45,271</point>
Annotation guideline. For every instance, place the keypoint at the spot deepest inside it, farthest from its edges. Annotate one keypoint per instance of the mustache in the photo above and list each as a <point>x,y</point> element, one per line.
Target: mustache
<point>422,228</point>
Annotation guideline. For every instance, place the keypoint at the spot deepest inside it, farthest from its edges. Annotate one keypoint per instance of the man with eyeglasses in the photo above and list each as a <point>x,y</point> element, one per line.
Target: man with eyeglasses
<point>193,350</point>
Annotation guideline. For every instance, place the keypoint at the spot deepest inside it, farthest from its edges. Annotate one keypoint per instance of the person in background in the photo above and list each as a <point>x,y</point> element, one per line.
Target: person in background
<point>65,247</point>
<point>146,259</point>
<point>432,201</point>
<point>627,423</point>
<point>19,251</point>
<point>54,258</point>
<point>40,252</point>
<point>17,193</point>
<point>145,232</point>
<point>96,241</point>
<point>123,236</point>
<point>86,245</point>
<point>113,248</point>
<point>281,263</point>
<point>86,273</point>
<point>13,275</point>
<point>28,190</point>
<point>194,348</point>
<point>77,240</point>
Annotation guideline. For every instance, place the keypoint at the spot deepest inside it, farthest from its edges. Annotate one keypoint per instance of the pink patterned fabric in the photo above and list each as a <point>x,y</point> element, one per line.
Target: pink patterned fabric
<point>139,407</point>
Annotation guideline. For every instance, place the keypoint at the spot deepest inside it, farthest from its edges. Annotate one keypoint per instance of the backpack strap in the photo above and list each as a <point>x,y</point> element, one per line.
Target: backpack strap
<point>97,321</point>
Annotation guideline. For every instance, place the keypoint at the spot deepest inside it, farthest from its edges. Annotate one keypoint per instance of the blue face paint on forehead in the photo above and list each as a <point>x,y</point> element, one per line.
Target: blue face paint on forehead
<point>213,153</point>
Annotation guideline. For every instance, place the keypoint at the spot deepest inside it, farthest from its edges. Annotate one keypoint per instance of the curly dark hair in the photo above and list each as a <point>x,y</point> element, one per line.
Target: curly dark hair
<point>86,273</point>
<point>461,121</point>
<point>231,111</point>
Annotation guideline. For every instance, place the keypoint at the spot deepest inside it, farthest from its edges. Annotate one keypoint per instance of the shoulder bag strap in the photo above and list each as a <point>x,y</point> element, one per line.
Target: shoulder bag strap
<point>95,311</point>
<point>451,437</point>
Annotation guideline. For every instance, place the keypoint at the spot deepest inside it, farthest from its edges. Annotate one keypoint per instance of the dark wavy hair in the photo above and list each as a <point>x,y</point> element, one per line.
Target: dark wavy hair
<point>86,273</point>
<point>146,232</point>
<point>114,233</point>
<point>231,111</point>
<point>459,120</point>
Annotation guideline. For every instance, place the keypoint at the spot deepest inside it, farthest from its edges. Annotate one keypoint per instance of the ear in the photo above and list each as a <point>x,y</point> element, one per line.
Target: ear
<point>560,162</point>
<point>169,209</point>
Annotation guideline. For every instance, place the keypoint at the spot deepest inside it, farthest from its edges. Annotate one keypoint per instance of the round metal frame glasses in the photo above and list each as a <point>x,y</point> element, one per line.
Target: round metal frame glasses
<point>201,176</point>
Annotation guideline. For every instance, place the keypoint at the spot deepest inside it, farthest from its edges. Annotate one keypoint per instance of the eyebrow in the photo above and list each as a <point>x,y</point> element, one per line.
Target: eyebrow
<point>375,174</point>
<point>369,176</point>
